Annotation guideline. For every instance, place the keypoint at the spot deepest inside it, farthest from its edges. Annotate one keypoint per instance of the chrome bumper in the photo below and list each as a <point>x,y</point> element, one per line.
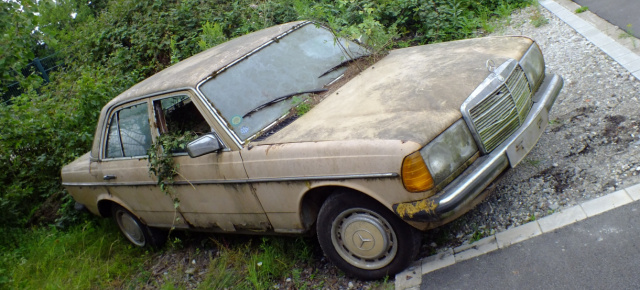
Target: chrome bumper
<point>462,193</point>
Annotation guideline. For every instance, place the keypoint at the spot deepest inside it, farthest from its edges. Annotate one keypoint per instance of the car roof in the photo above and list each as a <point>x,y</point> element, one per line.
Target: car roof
<point>191,71</point>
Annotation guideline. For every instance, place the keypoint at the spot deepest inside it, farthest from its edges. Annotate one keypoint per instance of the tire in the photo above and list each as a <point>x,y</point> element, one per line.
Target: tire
<point>135,231</point>
<point>363,238</point>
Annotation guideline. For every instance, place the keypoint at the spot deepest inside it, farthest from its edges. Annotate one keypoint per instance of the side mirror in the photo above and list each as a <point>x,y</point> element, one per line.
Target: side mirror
<point>204,145</point>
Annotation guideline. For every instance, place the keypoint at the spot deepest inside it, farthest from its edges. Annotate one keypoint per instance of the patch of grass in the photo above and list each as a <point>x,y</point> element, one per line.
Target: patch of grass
<point>93,255</point>
<point>532,217</point>
<point>537,19</point>
<point>628,33</point>
<point>582,9</point>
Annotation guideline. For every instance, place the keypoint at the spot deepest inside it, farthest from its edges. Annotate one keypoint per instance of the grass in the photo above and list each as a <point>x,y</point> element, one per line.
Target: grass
<point>87,256</point>
<point>94,255</point>
<point>582,9</point>
<point>628,33</point>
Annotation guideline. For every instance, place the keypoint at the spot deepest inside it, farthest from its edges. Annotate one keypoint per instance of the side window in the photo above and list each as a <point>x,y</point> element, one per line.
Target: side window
<point>129,132</point>
<point>178,116</point>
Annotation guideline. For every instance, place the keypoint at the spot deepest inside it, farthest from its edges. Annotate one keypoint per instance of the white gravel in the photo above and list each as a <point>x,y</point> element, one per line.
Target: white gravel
<point>591,147</point>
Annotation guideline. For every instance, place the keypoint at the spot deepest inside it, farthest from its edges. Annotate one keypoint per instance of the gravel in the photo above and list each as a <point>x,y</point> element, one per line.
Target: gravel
<point>590,148</point>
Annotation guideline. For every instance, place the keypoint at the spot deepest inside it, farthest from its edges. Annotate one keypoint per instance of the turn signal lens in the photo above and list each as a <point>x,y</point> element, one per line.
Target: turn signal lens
<point>415,174</point>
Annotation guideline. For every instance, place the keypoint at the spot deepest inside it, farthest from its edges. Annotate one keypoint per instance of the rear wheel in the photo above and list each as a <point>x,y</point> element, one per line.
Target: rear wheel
<point>363,238</point>
<point>135,231</point>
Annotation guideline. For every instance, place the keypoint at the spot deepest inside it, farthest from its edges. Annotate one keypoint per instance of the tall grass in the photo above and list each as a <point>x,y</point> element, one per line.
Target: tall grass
<point>92,255</point>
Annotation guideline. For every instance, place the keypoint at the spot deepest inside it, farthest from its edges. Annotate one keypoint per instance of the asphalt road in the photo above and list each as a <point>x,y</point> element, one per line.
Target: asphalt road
<point>602,252</point>
<point>618,12</point>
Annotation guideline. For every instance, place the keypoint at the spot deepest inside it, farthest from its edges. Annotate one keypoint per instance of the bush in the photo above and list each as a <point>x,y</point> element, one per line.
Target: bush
<point>111,45</point>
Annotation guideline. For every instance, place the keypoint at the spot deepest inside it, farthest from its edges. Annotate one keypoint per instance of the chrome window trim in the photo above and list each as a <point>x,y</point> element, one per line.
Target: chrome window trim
<point>254,180</point>
<point>109,113</point>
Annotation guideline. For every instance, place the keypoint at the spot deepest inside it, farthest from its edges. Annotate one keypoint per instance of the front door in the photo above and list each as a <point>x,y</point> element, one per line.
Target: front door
<point>212,190</point>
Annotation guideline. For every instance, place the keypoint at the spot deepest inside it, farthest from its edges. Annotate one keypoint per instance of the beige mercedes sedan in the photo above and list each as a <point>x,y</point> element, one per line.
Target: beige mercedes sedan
<point>294,131</point>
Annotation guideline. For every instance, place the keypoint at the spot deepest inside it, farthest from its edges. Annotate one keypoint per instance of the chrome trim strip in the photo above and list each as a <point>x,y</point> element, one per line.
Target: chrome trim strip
<point>256,180</point>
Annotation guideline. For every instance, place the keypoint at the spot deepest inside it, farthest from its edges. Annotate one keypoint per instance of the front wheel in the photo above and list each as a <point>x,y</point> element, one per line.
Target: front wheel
<point>135,231</point>
<point>363,238</point>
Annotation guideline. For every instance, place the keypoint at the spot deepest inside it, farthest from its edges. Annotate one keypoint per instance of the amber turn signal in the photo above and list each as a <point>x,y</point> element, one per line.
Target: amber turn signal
<point>415,174</point>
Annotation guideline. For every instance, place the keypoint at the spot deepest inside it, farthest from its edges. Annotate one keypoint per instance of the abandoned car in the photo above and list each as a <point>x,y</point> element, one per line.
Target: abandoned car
<point>295,131</point>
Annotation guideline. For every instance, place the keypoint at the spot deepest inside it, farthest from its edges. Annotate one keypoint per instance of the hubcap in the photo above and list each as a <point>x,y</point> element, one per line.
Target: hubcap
<point>363,238</point>
<point>130,228</point>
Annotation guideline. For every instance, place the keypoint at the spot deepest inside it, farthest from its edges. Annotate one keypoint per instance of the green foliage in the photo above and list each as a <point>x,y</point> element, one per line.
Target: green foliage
<point>537,19</point>
<point>582,9</point>
<point>211,36</point>
<point>161,163</point>
<point>91,255</point>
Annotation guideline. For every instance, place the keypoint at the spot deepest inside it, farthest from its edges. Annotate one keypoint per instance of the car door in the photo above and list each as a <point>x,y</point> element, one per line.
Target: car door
<point>124,165</point>
<point>212,189</point>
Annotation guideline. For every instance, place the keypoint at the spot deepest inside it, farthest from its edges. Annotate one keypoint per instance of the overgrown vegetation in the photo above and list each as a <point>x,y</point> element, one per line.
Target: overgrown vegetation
<point>109,45</point>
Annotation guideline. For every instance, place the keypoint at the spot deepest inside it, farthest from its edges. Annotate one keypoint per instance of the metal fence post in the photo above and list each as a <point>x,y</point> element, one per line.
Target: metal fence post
<point>45,76</point>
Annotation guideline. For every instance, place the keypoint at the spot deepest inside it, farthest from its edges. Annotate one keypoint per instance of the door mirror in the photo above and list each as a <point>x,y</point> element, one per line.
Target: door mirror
<point>204,145</point>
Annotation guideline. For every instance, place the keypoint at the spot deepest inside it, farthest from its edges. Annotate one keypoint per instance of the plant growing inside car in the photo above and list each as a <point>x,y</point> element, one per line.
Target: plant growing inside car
<point>161,163</point>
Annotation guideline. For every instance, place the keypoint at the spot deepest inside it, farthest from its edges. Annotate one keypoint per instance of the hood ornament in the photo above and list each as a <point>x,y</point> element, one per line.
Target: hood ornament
<point>491,65</point>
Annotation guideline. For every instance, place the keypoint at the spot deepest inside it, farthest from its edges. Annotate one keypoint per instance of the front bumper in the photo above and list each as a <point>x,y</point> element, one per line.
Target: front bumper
<point>466,190</point>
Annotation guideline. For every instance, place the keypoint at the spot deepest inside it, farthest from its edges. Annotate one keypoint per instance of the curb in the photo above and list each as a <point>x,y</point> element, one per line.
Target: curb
<point>621,54</point>
<point>411,278</point>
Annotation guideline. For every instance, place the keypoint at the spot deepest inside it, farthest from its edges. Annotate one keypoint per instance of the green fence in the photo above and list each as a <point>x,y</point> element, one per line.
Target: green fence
<point>41,66</point>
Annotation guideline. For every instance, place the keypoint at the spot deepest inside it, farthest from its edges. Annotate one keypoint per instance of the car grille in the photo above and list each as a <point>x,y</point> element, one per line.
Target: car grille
<point>501,113</point>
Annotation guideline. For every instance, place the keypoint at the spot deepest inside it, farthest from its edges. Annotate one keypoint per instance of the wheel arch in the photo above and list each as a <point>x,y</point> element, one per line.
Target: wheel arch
<point>313,199</point>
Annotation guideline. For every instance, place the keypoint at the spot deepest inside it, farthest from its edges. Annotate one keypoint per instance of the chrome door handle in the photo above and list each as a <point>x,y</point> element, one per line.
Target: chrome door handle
<point>109,177</point>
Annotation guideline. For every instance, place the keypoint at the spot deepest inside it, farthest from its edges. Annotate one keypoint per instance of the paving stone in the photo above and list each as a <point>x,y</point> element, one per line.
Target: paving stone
<point>438,261</point>
<point>409,278</point>
<point>478,248</point>
<point>518,234</point>
<point>634,191</point>
<point>561,219</point>
<point>605,203</point>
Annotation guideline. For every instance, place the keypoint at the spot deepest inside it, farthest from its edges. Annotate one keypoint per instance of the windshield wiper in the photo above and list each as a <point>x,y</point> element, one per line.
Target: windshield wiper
<point>346,62</point>
<point>280,99</point>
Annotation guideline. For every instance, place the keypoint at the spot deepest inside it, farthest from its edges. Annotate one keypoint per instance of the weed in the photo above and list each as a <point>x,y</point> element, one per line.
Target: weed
<point>477,235</point>
<point>532,162</point>
<point>301,105</point>
<point>532,217</point>
<point>537,19</point>
<point>582,9</point>
<point>628,33</point>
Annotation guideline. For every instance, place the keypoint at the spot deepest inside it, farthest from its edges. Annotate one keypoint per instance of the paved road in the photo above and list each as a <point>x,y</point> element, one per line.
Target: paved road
<point>601,252</point>
<point>618,12</point>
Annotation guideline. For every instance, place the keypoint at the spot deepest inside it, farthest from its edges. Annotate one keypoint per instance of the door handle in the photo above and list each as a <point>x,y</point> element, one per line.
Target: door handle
<point>109,177</point>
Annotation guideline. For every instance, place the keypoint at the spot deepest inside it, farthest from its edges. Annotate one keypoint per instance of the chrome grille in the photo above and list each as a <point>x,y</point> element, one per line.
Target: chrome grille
<point>500,114</point>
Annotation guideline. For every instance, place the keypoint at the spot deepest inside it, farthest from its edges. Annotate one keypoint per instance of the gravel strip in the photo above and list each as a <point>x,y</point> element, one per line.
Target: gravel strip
<point>591,147</point>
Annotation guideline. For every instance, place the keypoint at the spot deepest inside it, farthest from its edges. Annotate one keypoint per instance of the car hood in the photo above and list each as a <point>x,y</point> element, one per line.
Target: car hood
<point>412,94</point>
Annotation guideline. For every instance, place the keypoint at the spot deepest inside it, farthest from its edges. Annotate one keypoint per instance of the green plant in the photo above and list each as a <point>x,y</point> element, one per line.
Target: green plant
<point>628,33</point>
<point>582,9</point>
<point>532,217</point>
<point>537,19</point>
<point>211,36</point>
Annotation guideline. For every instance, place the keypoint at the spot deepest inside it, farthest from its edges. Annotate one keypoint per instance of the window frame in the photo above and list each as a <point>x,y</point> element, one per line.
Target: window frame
<point>105,134</point>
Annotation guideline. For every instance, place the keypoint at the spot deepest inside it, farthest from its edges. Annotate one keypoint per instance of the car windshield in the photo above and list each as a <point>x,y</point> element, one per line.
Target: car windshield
<point>260,89</point>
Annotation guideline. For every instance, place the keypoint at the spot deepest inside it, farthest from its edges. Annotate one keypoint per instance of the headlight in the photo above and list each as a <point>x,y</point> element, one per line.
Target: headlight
<point>439,159</point>
<point>449,151</point>
<point>533,64</point>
